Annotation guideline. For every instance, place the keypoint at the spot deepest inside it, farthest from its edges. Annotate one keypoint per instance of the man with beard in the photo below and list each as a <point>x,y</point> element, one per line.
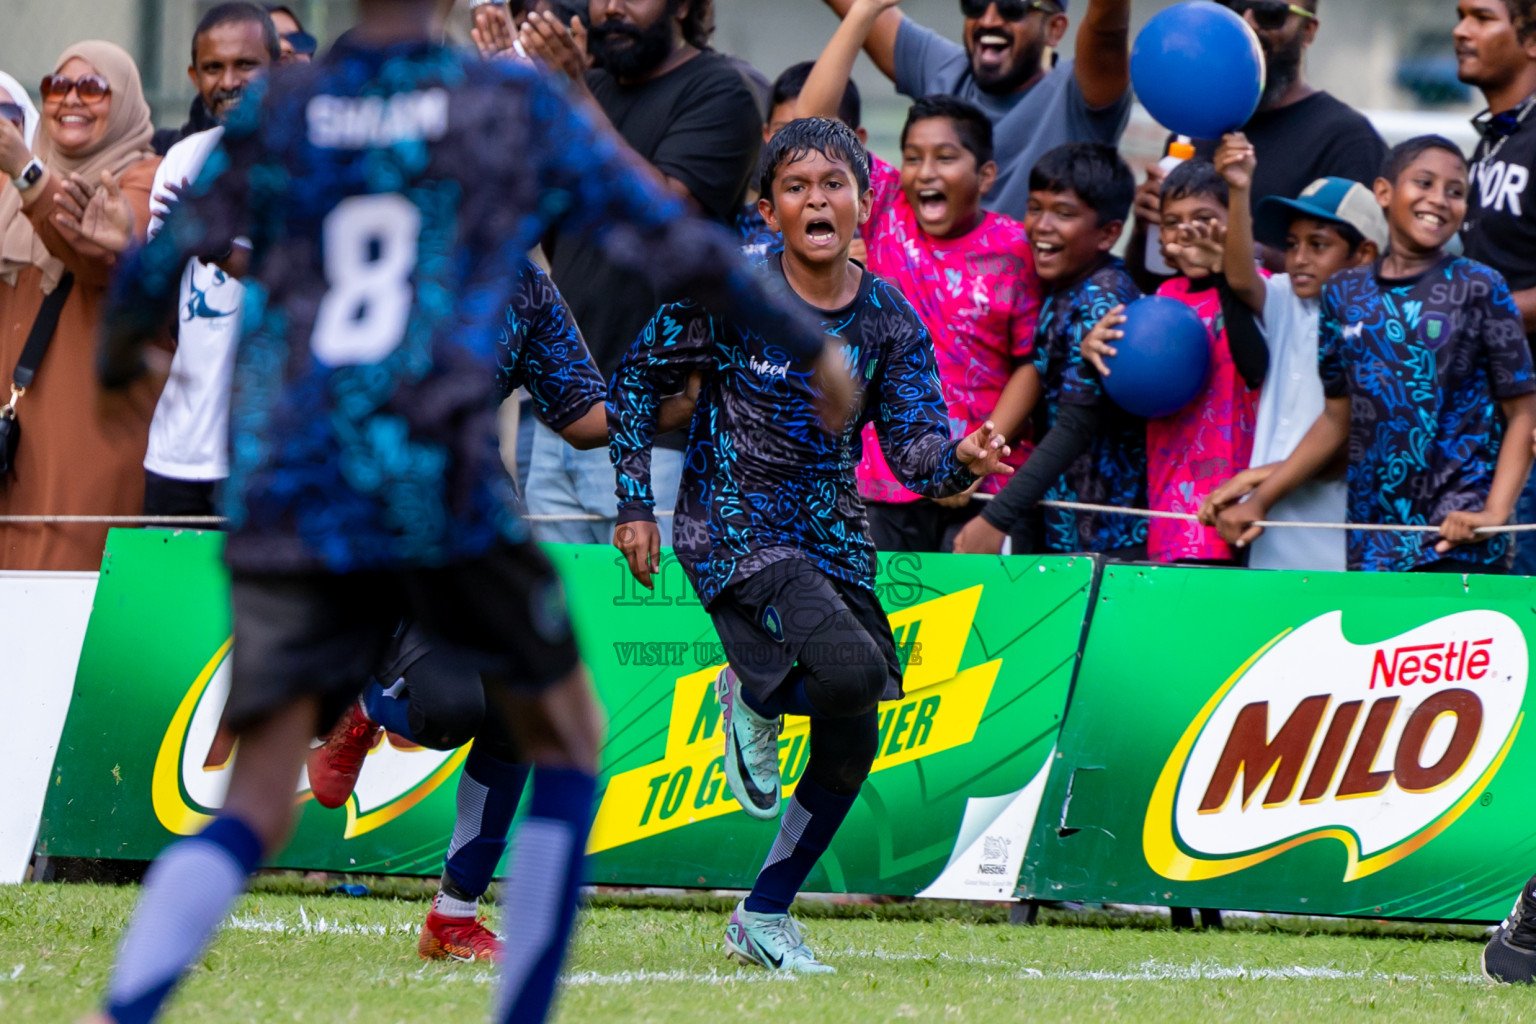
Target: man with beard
<point>188,455</point>
<point>1008,68</point>
<point>1496,52</point>
<point>688,112</point>
<point>1299,133</point>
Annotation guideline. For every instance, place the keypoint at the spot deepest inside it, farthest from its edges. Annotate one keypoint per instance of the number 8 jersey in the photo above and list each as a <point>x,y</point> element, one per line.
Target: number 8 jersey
<point>389,196</point>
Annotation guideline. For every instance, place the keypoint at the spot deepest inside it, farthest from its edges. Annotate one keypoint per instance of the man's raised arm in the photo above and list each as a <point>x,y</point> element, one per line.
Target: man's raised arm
<point>1103,50</point>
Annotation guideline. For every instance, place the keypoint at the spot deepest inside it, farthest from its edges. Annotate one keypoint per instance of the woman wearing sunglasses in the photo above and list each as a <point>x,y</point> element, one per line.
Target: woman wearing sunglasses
<point>16,107</point>
<point>95,128</point>
<point>1006,67</point>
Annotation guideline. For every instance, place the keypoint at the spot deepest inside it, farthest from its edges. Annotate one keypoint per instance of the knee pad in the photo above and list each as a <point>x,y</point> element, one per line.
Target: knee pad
<point>842,752</point>
<point>447,701</point>
<point>846,671</point>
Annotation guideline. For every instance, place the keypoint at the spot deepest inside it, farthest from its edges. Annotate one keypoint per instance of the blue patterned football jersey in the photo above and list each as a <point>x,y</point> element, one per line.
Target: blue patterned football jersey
<point>390,196</point>
<point>1424,362</point>
<point>762,481</point>
<point>539,347</point>
<point>1114,470</point>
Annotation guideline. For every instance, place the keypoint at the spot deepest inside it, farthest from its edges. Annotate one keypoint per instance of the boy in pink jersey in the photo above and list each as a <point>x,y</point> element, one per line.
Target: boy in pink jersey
<point>969,274</point>
<point>1192,452</point>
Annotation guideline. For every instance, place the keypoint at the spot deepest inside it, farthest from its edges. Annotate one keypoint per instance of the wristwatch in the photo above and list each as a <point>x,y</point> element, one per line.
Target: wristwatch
<point>30,175</point>
<point>481,3</point>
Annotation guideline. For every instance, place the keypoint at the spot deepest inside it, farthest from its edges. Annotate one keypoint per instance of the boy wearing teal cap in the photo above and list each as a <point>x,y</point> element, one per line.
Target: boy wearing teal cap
<point>1333,225</point>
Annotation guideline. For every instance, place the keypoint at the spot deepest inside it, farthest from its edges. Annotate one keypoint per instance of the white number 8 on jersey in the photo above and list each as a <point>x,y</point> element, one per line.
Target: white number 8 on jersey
<point>370,254</point>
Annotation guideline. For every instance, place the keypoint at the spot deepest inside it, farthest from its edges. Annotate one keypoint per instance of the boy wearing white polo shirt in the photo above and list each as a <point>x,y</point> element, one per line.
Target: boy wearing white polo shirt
<point>1333,225</point>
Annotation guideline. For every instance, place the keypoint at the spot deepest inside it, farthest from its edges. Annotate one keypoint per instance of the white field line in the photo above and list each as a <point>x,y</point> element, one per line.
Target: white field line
<point>1148,971</point>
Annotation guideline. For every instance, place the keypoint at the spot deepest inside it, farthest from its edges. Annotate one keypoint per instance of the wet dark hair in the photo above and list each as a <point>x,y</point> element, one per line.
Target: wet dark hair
<point>973,127</point>
<point>791,84</point>
<point>225,14</point>
<point>798,139</point>
<point>1196,178</point>
<point>1094,171</point>
<point>1405,153</point>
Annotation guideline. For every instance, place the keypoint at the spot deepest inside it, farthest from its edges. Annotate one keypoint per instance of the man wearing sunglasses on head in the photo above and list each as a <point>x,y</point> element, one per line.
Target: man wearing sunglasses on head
<point>1008,67</point>
<point>1299,133</point>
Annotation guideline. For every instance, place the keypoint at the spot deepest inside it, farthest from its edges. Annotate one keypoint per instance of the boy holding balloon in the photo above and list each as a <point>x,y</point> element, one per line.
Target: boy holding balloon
<point>1093,451</point>
<point>1422,354</point>
<point>1201,440</point>
<point>1333,225</point>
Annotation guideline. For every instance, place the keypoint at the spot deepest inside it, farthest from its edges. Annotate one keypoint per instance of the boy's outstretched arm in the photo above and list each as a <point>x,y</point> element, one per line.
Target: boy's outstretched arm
<point>1509,478</point>
<point>1104,52</point>
<point>1310,458</point>
<point>823,91</point>
<point>880,40</point>
<point>1076,428</point>
<point>1236,161</point>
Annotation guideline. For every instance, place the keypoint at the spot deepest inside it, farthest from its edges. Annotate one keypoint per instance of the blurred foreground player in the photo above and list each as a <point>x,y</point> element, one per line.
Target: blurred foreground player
<point>770,527</point>
<point>426,694</point>
<point>390,191</point>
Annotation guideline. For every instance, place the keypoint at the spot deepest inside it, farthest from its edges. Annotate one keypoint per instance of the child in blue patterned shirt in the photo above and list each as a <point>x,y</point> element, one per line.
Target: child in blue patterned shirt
<point>1425,366</point>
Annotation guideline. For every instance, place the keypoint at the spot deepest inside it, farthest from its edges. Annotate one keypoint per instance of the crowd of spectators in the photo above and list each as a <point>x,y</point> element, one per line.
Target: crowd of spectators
<point>999,224</point>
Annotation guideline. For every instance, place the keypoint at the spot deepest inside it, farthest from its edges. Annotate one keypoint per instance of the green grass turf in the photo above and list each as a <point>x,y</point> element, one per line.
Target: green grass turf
<point>297,955</point>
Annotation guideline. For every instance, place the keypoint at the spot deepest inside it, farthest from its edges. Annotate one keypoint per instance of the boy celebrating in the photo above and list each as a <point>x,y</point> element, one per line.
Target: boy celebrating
<point>1080,195</point>
<point>1419,354</point>
<point>388,214</point>
<point>769,527</point>
<point>1335,224</point>
<point>968,273</point>
<point>1191,451</point>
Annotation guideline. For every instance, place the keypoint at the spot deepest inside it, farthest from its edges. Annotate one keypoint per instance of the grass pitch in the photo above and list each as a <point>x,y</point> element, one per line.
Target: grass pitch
<point>291,955</point>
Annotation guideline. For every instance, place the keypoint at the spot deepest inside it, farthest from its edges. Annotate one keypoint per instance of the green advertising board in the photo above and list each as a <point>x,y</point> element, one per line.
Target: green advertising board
<point>1299,743</point>
<point>989,647</point>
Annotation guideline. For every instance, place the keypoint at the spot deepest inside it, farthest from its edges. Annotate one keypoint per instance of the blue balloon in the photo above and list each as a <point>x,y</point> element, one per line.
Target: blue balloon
<point>1198,69</point>
<point>1162,362</point>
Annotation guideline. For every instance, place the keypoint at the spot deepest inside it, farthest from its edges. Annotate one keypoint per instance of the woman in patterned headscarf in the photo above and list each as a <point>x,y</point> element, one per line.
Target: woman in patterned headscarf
<point>72,460</point>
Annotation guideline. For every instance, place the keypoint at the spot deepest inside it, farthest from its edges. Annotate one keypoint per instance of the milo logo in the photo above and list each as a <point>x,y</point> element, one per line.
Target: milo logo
<point>1378,746</point>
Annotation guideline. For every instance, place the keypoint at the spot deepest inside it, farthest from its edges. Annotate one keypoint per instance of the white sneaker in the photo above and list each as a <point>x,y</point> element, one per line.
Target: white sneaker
<point>774,941</point>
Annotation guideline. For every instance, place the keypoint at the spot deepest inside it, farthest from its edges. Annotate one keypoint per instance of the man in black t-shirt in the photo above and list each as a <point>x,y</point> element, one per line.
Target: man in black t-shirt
<point>1496,52</point>
<point>688,112</point>
<point>1300,133</point>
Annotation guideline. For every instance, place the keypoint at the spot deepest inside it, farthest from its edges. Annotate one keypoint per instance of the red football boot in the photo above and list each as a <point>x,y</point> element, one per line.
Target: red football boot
<point>336,763</point>
<point>457,938</point>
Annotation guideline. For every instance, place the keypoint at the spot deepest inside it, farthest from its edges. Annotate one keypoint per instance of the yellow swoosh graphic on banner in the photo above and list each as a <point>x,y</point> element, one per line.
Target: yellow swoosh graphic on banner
<point>165,782</point>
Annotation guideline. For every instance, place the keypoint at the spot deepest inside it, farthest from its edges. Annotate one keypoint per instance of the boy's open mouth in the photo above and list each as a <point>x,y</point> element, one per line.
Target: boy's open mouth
<point>932,204</point>
<point>821,232</point>
<point>1433,221</point>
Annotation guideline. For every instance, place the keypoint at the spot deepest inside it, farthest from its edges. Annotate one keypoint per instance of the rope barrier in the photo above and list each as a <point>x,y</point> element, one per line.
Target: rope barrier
<point>1187,517</point>
<point>1069,506</point>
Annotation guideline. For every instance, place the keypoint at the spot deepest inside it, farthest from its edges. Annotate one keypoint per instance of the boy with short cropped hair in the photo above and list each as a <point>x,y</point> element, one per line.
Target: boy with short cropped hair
<point>1093,452</point>
<point>1421,355</point>
<point>1335,224</point>
<point>769,526</point>
<point>968,273</point>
